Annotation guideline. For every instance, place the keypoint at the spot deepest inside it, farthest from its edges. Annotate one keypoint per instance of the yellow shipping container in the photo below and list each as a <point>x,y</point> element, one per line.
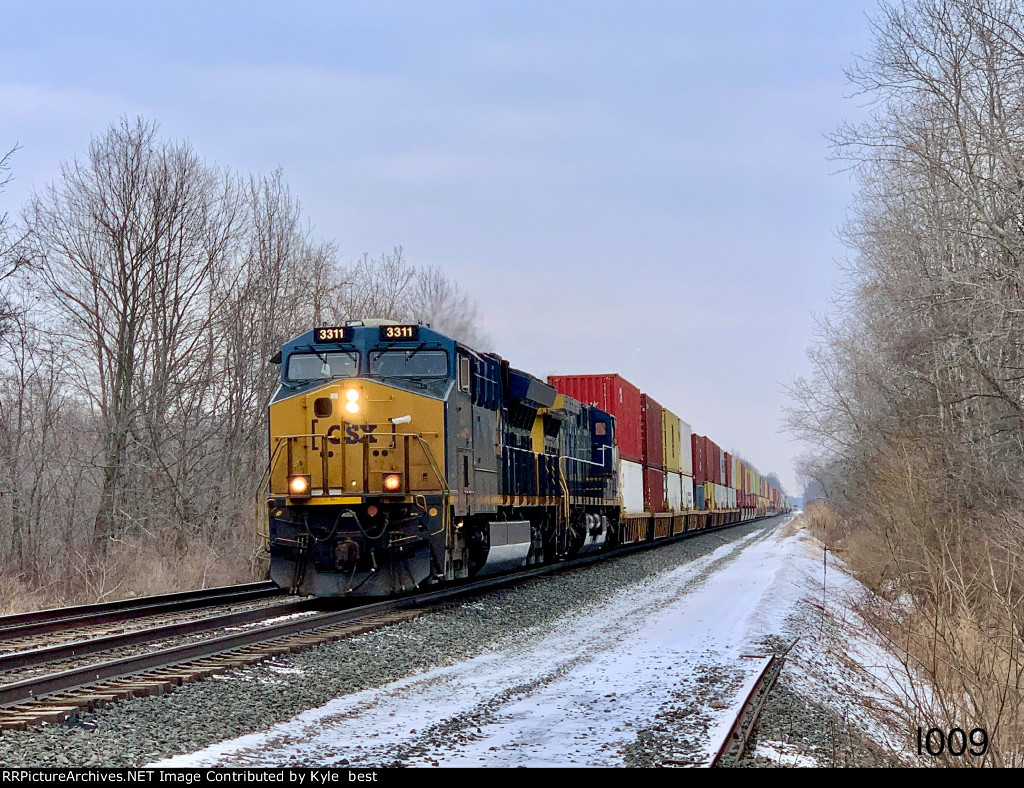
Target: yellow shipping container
<point>709,496</point>
<point>671,440</point>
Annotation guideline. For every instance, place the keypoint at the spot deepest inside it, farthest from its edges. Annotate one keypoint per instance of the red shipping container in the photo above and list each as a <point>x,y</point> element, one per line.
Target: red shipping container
<point>615,395</point>
<point>654,490</point>
<point>697,446</point>
<point>728,470</point>
<point>710,461</point>
<point>651,433</point>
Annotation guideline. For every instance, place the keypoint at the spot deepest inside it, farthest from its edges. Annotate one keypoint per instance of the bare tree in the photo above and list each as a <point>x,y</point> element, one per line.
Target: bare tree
<point>915,408</point>
<point>10,260</point>
<point>127,243</point>
<point>377,287</point>
<point>437,300</point>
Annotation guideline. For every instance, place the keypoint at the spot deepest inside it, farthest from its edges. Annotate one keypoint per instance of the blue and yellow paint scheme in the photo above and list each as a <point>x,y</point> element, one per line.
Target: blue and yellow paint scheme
<point>400,458</point>
<point>357,482</point>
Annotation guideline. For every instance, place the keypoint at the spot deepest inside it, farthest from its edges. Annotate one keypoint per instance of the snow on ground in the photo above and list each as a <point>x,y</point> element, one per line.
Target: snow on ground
<point>668,658</point>
<point>783,754</point>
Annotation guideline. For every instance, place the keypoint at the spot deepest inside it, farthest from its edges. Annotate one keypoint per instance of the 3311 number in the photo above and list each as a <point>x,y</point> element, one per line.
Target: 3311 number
<point>399,332</point>
<point>934,742</point>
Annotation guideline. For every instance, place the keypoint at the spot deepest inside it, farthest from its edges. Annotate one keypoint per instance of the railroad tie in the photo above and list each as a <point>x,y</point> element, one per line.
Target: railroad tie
<point>37,715</point>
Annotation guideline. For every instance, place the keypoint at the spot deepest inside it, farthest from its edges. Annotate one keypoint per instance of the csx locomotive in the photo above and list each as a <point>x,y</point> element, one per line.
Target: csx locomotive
<point>401,458</point>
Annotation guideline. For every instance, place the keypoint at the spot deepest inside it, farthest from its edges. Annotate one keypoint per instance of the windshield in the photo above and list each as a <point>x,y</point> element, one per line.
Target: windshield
<point>322,366</point>
<point>410,363</point>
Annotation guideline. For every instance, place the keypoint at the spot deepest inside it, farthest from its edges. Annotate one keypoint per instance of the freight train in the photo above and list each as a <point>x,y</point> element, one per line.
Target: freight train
<point>401,458</point>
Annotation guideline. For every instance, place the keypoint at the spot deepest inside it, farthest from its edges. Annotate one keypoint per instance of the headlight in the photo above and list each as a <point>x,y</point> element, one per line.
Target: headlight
<point>299,485</point>
<point>352,395</point>
<point>352,407</point>
<point>392,483</point>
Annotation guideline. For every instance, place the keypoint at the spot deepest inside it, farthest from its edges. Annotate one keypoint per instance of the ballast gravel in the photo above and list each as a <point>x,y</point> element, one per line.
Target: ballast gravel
<point>196,715</point>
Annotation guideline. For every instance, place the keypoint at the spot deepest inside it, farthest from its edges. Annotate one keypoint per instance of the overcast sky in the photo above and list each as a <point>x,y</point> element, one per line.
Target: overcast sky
<point>640,188</point>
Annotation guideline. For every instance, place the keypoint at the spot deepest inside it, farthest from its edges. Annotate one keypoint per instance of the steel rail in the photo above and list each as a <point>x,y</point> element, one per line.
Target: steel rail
<point>55,619</point>
<point>77,678</point>
<point>82,648</point>
<point>735,742</point>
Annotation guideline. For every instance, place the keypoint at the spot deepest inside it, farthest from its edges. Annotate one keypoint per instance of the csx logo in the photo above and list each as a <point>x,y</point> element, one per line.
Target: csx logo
<point>354,433</point>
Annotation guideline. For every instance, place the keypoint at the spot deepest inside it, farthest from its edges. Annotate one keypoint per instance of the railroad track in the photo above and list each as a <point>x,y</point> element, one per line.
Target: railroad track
<point>60,694</point>
<point>45,622</point>
<point>735,742</point>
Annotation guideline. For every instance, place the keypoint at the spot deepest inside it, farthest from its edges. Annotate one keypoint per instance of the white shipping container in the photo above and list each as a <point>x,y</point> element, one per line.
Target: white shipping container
<point>674,491</point>
<point>631,485</point>
<point>688,492</point>
<point>686,453</point>
<point>721,497</point>
<point>732,498</point>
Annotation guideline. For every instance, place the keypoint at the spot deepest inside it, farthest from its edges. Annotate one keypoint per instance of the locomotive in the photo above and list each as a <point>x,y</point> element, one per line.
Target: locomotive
<point>401,458</point>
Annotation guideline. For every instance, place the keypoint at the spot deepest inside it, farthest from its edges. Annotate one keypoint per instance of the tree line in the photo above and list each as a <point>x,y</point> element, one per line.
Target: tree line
<point>916,405</point>
<point>142,294</point>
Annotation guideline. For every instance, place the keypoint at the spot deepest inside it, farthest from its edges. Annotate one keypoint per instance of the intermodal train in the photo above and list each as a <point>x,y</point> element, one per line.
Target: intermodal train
<point>401,458</point>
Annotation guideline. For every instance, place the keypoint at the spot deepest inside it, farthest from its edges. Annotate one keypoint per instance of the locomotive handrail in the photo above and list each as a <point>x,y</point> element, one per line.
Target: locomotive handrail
<point>283,440</point>
<point>560,456</point>
<point>565,490</point>
<point>263,489</point>
<point>262,512</point>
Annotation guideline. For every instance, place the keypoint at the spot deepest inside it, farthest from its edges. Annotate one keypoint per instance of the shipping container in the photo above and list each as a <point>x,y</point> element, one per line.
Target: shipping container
<point>631,483</point>
<point>728,469</point>
<point>721,468</point>
<point>697,455</point>
<point>698,498</point>
<point>686,450</point>
<point>612,394</point>
<point>654,490</point>
<point>713,461</point>
<point>674,491</point>
<point>651,432</point>
<point>688,502</point>
<point>721,496</point>
<point>671,442</point>
<point>709,497</point>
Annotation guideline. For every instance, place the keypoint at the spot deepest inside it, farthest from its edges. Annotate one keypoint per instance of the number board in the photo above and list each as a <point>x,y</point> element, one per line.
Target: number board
<point>328,334</point>
<point>399,333</point>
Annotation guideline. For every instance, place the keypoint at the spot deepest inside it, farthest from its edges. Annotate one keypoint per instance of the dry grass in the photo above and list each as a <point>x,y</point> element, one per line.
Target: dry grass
<point>141,567</point>
<point>944,596</point>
